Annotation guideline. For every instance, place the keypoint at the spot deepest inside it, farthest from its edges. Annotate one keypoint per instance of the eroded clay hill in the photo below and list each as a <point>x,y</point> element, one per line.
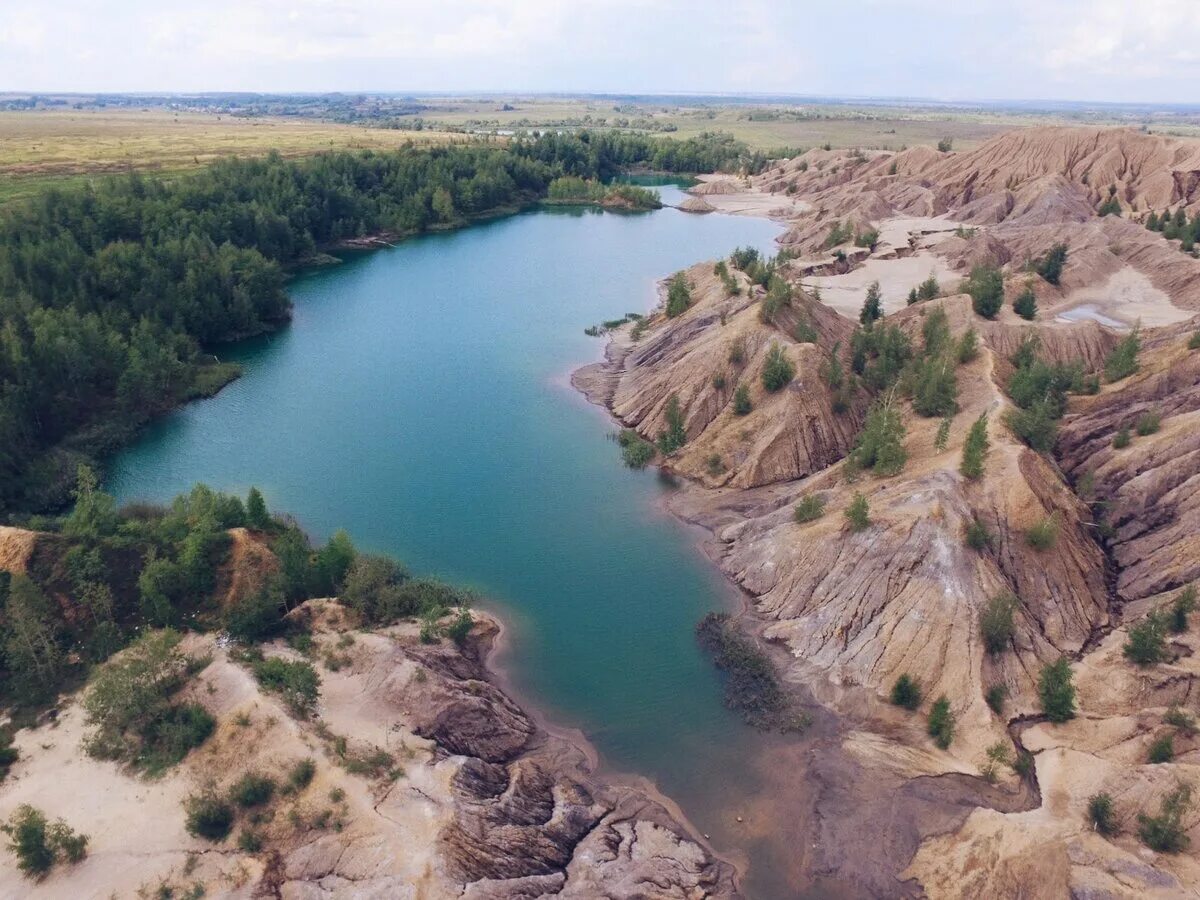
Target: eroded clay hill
<point>426,780</point>
<point>847,612</point>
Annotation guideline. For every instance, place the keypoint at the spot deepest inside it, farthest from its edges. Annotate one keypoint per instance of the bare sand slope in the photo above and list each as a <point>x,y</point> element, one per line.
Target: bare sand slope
<point>429,783</point>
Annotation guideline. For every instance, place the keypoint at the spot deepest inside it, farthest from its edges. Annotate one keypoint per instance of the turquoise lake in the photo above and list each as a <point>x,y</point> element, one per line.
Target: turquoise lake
<point>420,399</point>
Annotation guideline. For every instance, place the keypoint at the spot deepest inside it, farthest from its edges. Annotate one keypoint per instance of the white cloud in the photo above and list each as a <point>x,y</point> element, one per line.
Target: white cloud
<point>1100,49</point>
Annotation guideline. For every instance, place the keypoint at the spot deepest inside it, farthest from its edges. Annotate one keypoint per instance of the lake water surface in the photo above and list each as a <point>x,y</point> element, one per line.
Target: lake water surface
<point>420,399</point>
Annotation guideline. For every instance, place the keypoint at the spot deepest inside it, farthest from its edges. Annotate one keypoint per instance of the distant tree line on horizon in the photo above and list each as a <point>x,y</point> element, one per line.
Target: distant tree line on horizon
<point>109,291</point>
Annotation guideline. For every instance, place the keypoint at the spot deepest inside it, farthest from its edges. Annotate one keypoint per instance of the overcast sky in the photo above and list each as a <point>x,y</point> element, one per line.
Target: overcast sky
<point>1120,50</point>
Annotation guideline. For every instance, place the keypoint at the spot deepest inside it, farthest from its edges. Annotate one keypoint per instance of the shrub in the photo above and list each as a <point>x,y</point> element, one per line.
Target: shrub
<point>1051,265</point>
<point>1165,832</point>
<point>1036,426</point>
<point>259,615</point>
<point>301,775</point>
<point>1025,305</point>
<point>635,451</point>
<point>810,508</point>
<point>1056,691</point>
<point>880,445</point>
<point>679,296</point>
<point>858,513</point>
<point>872,308</point>
<point>998,754</point>
<point>906,692</point>
<point>674,436</point>
<point>1100,814</point>
<point>249,841</point>
<point>719,381</point>
<point>252,789</point>
<point>741,401</point>
<point>208,816</point>
<point>996,622</point>
<point>737,352</point>
<point>942,438</point>
<point>1121,439</point>
<point>979,537</point>
<point>777,370</point>
<point>941,723</point>
<point>868,238</point>
<point>1162,750</point>
<point>1178,718</point>
<point>1148,423</point>
<point>38,845</point>
<point>975,449</point>
<point>1194,341</point>
<point>945,145</point>
<point>996,696</point>
<point>1122,361</point>
<point>296,682</point>
<point>1183,605</point>
<point>986,287</point>
<point>1147,642</point>
<point>1043,534</point>
<point>935,387</point>
<point>968,346</point>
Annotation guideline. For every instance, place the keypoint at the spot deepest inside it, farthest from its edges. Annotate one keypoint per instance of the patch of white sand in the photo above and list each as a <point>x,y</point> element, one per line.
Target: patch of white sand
<point>1128,297</point>
<point>896,278</point>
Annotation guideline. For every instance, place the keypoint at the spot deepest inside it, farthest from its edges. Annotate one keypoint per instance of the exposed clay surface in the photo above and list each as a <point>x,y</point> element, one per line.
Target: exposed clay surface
<point>482,802</point>
<point>870,801</point>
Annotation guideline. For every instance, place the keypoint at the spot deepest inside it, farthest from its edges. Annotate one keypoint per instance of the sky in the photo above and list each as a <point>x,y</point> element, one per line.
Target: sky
<point>1090,50</point>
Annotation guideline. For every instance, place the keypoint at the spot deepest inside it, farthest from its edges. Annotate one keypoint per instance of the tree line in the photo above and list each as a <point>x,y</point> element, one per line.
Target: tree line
<point>111,290</point>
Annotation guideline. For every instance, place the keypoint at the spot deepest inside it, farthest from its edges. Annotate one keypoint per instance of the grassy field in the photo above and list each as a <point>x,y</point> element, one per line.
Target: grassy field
<point>762,127</point>
<point>55,147</point>
<point>61,145</point>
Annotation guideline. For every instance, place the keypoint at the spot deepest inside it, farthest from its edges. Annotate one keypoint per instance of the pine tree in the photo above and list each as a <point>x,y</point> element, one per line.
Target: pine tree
<point>674,436</point>
<point>32,653</point>
<point>1025,305</point>
<point>881,443</point>
<point>975,449</point>
<point>679,297</point>
<point>872,309</point>
<point>257,516</point>
<point>858,513</point>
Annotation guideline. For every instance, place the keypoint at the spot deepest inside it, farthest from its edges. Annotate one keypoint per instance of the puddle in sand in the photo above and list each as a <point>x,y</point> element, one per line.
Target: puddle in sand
<point>1086,312</point>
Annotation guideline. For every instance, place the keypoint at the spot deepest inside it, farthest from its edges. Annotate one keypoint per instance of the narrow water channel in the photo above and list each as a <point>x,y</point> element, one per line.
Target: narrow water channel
<point>420,399</point>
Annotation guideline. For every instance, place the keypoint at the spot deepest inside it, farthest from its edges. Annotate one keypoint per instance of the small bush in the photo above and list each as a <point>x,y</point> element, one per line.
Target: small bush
<point>858,513</point>
<point>978,535</point>
<point>714,465</point>
<point>998,754</point>
<point>810,508</point>
<point>1162,749</point>
<point>719,381</point>
<point>1148,423</point>
<point>1165,832</point>
<point>1051,265</point>
<point>906,692</point>
<point>1122,362</point>
<point>1043,534</point>
<point>1194,341</point>
<point>1025,305</point>
<point>1056,690</point>
<point>986,287</point>
<point>975,449</point>
<point>741,401</point>
<point>296,682</point>
<point>636,452</point>
<point>968,346</point>
<point>208,816</point>
<point>1100,814</point>
<point>252,789</point>
<point>777,370</point>
<point>737,352</point>
<point>941,723</point>
<point>673,436</point>
<point>249,841</point>
<point>679,296</point>
<point>1121,439</point>
<point>1178,718</point>
<point>1181,608</point>
<point>996,697</point>
<point>38,844</point>
<point>996,623</point>
<point>1147,642</point>
<point>301,775</point>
